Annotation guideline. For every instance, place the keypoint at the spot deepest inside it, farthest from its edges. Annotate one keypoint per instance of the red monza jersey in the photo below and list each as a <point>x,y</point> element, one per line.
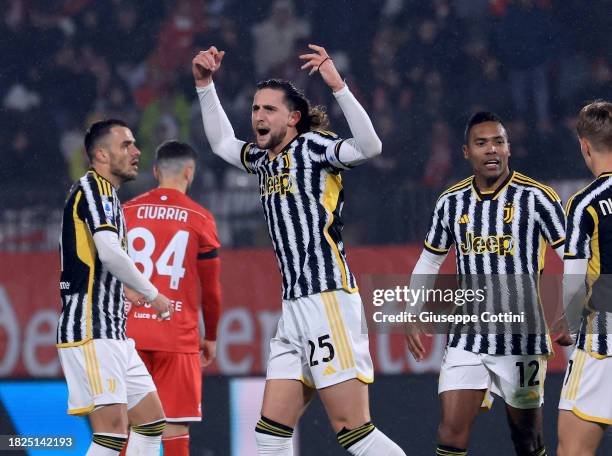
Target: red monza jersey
<point>174,243</point>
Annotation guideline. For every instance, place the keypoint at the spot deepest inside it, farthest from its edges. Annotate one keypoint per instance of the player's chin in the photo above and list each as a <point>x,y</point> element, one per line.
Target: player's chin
<point>130,175</point>
<point>489,173</point>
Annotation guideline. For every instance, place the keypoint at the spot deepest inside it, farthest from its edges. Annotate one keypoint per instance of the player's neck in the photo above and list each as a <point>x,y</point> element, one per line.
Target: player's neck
<point>601,163</point>
<point>106,174</point>
<point>489,185</point>
<point>173,184</point>
<point>289,137</point>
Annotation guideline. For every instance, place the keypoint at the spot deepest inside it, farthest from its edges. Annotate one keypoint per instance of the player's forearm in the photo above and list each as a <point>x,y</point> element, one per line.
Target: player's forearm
<point>209,271</point>
<point>365,142</point>
<point>424,276</point>
<point>574,290</point>
<point>217,126</point>
<point>114,258</point>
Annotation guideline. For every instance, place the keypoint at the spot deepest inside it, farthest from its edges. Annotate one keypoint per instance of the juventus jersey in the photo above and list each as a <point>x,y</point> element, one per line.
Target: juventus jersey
<point>500,241</point>
<point>589,236</point>
<point>302,197</point>
<point>92,298</point>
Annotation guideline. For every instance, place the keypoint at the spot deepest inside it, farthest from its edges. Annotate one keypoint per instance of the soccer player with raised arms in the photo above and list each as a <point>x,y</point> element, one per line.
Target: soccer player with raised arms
<point>319,344</point>
<point>585,408</point>
<point>500,222</point>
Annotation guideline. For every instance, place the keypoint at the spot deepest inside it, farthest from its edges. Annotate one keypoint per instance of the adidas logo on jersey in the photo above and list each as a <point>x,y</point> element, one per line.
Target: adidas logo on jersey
<point>329,370</point>
<point>465,218</point>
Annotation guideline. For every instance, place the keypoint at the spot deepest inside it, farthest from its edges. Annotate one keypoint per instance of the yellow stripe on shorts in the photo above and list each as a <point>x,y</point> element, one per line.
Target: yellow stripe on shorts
<point>343,331</point>
<point>334,330</point>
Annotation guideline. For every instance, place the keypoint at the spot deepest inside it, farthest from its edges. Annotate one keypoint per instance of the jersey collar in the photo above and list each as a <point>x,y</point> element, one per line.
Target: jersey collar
<point>484,196</point>
<point>100,176</point>
<point>284,149</point>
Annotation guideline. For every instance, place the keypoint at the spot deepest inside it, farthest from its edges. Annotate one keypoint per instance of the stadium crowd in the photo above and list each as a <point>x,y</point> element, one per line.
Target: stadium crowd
<point>420,68</point>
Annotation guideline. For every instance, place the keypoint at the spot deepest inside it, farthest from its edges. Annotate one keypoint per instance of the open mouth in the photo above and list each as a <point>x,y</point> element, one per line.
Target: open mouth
<point>134,164</point>
<point>492,164</point>
<point>262,131</point>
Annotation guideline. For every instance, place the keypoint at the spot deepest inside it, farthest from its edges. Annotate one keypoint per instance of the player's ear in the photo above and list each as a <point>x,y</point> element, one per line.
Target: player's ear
<point>189,172</point>
<point>294,118</point>
<point>101,155</point>
<point>465,151</point>
<point>585,147</point>
<point>156,172</point>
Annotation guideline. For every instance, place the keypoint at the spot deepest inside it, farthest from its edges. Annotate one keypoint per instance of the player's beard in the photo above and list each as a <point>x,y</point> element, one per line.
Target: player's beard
<point>275,139</point>
<point>126,172</point>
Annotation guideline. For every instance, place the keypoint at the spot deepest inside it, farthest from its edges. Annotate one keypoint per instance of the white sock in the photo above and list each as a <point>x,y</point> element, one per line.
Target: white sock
<point>106,444</point>
<point>273,439</point>
<point>367,440</point>
<point>145,439</point>
<point>271,445</point>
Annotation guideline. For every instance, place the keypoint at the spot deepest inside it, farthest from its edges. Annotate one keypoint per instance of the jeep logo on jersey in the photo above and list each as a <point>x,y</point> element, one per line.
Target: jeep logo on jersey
<point>281,183</point>
<point>500,245</point>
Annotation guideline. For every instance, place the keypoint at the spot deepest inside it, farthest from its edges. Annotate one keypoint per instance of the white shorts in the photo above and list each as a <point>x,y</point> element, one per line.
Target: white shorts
<point>586,388</point>
<point>101,372</point>
<point>517,379</point>
<point>320,341</point>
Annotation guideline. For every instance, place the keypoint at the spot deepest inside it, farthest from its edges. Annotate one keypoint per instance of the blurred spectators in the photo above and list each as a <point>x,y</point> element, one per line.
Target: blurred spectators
<point>276,38</point>
<point>419,68</point>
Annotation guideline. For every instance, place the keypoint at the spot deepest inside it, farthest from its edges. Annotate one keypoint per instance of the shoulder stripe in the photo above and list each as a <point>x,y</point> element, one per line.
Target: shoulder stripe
<point>458,186</point>
<point>581,194</point>
<point>569,203</point>
<point>545,188</point>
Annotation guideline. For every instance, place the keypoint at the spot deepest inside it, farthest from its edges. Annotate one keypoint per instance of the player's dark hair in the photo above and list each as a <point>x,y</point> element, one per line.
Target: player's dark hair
<point>595,125</point>
<point>97,131</point>
<point>481,117</point>
<point>172,149</point>
<point>171,156</point>
<point>312,117</point>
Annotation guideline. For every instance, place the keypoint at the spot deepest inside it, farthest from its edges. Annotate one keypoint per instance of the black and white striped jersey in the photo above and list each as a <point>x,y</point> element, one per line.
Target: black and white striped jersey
<point>589,236</point>
<point>92,298</point>
<point>302,197</point>
<point>500,241</point>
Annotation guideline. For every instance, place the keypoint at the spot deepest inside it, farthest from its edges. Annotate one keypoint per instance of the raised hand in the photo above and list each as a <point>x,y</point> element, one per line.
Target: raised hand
<point>205,64</point>
<point>321,61</point>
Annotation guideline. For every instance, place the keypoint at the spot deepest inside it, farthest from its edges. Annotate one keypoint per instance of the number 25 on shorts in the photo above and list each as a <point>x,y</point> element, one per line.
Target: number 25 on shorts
<point>323,347</point>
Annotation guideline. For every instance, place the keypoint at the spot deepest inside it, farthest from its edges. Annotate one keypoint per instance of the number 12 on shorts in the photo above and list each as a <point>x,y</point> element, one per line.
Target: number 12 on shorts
<point>323,345</point>
<point>534,373</point>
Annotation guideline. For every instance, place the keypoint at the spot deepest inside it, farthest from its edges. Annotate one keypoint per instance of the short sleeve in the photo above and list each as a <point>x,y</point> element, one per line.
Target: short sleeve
<point>439,237</point>
<point>251,156</point>
<point>551,218</point>
<point>98,207</point>
<point>580,228</point>
<point>208,241</point>
<point>324,149</point>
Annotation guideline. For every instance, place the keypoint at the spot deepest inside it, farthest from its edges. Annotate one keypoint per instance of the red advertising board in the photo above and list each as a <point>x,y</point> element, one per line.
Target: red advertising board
<point>29,306</point>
